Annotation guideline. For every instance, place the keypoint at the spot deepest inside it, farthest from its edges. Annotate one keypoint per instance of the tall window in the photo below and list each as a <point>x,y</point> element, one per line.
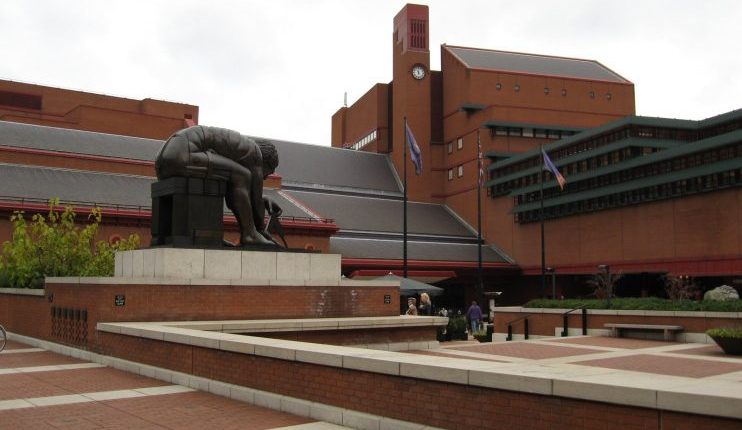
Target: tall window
<point>460,171</point>
<point>460,143</point>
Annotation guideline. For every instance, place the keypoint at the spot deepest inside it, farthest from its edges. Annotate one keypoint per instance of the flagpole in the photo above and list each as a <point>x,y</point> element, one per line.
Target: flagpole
<point>541,216</point>
<point>404,211</point>
<point>480,287</point>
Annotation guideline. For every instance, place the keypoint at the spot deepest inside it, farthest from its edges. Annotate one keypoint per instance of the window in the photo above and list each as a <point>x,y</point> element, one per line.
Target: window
<point>450,174</point>
<point>460,171</point>
<point>592,94</point>
<point>498,86</point>
<point>564,92</point>
<point>527,132</point>
<point>516,88</point>
<point>460,143</point>
<point>450,147</point>
<point>546,90</point>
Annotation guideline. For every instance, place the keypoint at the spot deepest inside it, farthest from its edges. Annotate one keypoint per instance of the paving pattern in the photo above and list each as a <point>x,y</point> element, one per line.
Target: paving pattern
<point>44,390</point>
<point>690,360</point>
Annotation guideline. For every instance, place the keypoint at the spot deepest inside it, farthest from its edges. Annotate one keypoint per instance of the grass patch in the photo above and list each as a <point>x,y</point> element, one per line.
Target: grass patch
<point>635,303</point>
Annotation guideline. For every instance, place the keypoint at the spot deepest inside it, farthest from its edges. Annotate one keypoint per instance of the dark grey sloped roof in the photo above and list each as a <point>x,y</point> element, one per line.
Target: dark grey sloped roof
<point>535,64</point>
<point>104,189</point>
<point>382,215</point>
<point>78,142</point>
<point>298,163</point>
<point>416,250</point>
<point>311,164</point>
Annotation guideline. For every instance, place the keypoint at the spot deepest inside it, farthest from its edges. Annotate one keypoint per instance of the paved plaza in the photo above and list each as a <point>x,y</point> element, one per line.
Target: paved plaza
<point>40,389</point>
<point>44,390</point>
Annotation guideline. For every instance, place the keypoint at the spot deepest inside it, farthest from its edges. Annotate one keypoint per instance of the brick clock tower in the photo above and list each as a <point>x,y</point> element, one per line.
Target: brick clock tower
<point>411,90</point>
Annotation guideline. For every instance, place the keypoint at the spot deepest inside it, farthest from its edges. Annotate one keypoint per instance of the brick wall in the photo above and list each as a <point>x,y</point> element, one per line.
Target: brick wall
<point>544,324</point>
<point>31,315</point>
<point>438,404</point>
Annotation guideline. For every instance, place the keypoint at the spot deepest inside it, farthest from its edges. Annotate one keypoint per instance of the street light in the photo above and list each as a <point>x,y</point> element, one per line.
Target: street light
<point>553,281</point>
<point>608,286</point>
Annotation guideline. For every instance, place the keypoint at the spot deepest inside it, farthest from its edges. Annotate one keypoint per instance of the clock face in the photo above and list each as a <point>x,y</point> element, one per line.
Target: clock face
<point>418,71</point>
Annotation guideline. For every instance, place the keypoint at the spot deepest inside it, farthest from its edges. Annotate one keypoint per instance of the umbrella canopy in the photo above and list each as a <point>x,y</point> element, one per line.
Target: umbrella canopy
<point>411,287</point>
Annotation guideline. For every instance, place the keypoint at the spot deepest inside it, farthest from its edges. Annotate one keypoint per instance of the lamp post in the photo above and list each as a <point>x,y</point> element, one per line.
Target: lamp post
<point>608,285</point>
<point>553,281</point>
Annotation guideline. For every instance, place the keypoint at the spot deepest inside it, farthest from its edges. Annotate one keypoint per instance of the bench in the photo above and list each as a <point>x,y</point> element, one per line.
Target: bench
<point>668,330</point>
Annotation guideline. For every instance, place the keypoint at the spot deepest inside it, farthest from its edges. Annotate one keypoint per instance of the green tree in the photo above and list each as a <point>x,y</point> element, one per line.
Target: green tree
<point>55,246</point>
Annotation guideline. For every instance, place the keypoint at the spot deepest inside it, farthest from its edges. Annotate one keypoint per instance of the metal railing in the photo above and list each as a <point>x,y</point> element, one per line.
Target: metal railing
<point>525,327</point>
<point>565,319</point>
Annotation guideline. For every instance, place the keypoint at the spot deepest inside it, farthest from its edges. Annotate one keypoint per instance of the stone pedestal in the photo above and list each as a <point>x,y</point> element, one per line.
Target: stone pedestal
<point>188,212</point>
<point>231,264</point>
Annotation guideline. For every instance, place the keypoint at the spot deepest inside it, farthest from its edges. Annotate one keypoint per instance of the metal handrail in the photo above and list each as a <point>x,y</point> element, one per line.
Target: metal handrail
<point>525,327</point>
<point>565,319</point>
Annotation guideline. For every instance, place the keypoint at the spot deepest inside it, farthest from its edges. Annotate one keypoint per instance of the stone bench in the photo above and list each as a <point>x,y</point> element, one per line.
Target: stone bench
<point>668,330</point>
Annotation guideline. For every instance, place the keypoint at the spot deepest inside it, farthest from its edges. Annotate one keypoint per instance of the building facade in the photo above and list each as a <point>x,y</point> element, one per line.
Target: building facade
<point>644,196</point>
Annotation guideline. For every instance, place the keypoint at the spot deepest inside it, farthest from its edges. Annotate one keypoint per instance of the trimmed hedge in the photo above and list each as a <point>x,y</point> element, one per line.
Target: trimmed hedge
<point>733,333</point>
<point>646,304</point>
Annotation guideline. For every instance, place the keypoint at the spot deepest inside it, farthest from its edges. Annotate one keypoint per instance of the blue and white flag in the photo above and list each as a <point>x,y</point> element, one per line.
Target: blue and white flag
<point>415,155</point>
<point>549,165</point>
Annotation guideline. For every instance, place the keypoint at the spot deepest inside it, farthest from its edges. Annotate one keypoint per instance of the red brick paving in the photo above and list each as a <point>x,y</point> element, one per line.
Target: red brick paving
<point>55,383</point>
<point>196,410</point>
<point>31,359</point>
<point>11,344</point>
<point>531,351</point>
<point>708,350</point>
<point>614,342</point>
<point>665,365</point>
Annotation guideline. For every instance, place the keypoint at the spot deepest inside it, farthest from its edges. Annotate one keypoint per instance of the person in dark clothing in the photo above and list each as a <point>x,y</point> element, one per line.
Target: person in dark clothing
<point>474,315</point>
<point>218,153</point>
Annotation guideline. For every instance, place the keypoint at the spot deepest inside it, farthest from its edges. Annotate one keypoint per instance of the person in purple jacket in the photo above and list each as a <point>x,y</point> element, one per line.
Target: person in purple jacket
<point>474,314</point>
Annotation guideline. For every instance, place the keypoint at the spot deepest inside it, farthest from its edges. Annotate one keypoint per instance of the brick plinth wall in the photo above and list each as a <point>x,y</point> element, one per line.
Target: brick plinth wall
<point>438,404</point>
<point>32,315</point>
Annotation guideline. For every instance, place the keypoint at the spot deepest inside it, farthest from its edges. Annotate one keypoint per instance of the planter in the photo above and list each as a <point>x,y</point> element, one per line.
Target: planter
<point>730,345</point>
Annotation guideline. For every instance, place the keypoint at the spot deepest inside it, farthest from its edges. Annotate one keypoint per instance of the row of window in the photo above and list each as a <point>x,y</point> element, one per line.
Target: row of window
<point>633,130</point>
<point>659,168</point>
<point>459,145</point>
<point>675,189</point>
<point>608,96</point>
<point>575,168</point>
<point>530,132</point>
<point>365,140</point>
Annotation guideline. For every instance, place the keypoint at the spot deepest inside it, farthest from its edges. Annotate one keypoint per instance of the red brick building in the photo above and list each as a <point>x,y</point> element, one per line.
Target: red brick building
<point>646,196</point>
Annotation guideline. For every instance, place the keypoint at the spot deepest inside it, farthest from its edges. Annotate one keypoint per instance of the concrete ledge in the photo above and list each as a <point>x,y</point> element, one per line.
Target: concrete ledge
<point>685,314</point>
<point>24,291</point>
<point>721,398</point>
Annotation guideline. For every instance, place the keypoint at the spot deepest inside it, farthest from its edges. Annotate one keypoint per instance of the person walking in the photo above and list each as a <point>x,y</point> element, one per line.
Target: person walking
<point>474,315</point>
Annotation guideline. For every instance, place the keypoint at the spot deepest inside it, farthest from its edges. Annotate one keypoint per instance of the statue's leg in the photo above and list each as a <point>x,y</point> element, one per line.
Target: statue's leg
<point>238,197</point>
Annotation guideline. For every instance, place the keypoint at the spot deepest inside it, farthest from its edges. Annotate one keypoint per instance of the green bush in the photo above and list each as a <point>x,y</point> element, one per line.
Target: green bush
<point>635,303</point>
<point>733,333</point>
<point>55,246</point>
<point>456,327</point>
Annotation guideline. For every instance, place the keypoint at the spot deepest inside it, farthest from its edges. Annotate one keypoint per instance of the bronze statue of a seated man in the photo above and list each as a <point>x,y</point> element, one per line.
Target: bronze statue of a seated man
<point>218,153</point>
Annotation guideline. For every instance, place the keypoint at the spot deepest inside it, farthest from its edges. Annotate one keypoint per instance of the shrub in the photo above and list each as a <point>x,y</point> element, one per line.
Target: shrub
<point>732,333</point>
<point>55,246</point>
<point>679,288</point>
<point>636,303</point>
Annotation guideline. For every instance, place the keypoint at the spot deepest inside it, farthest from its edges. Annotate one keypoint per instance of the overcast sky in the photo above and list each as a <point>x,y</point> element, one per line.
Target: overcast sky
<point>279,68</point>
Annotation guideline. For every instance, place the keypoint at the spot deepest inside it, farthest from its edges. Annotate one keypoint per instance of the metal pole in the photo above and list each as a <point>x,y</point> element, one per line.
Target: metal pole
<point>480,286</point>
<point>404,211</point>
<point>541,216</point>
<point>553,284</point>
